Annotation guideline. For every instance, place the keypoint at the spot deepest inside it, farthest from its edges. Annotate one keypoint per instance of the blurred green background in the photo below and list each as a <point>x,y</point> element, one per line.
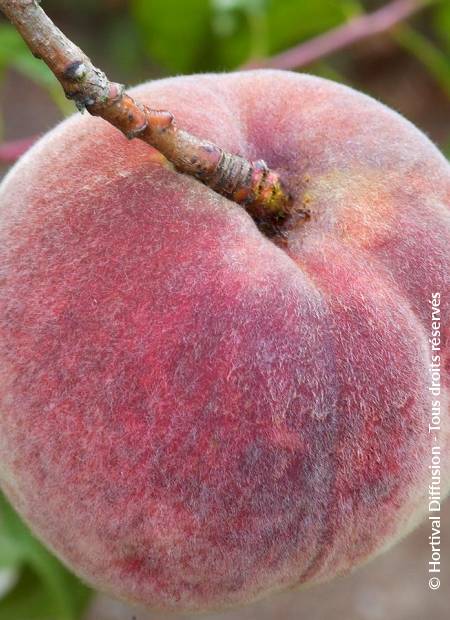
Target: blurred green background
<point>136,40</point>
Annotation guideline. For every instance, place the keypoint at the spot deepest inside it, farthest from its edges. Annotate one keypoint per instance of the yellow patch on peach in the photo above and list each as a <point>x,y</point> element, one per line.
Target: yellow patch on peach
<point>358,205</point>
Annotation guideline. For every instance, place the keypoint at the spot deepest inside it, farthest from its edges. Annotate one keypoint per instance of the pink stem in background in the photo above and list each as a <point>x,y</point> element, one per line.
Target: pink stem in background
<point>251,184</point>
<point>355,30</point>
<point>11,151</point>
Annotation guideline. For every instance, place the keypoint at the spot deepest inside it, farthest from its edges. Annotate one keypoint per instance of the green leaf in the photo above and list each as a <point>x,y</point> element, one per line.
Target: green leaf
<point>175,32</point>
<point>197,35</point>
<point>441,21</point>
<point>291,21</point>
<point>9,42</point>
<point>239,30</point>
<point>252,29</point>
<point>10,553</point>
<point>54,591</point>
<point>426,52</point>
<point>14,53</point>
<point>446,149</point>
<point>11,547</point>
<point>29,601</point>
<point>123,49</point>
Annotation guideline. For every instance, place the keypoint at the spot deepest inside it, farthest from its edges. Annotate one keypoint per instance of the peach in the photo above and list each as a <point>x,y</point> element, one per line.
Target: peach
<point>194,414</point>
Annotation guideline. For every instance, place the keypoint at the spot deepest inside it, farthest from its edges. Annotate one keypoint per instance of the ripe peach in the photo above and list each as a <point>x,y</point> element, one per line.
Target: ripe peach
<point>193,414</point>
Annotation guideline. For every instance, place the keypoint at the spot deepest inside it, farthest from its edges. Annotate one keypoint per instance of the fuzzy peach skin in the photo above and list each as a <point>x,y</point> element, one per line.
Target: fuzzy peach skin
<point>190,414</point>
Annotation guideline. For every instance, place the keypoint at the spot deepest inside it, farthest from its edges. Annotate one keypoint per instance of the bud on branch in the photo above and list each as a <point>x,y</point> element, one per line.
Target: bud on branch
<point>251,184</point>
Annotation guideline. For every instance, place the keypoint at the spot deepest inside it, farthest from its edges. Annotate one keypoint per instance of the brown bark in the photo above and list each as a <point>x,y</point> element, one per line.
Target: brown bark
<point>251,184</point>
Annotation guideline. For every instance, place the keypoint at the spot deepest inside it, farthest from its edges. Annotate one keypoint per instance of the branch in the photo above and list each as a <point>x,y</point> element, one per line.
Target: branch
<point>343,36</point>
<point>250,184</point>
<point>11,151</point>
